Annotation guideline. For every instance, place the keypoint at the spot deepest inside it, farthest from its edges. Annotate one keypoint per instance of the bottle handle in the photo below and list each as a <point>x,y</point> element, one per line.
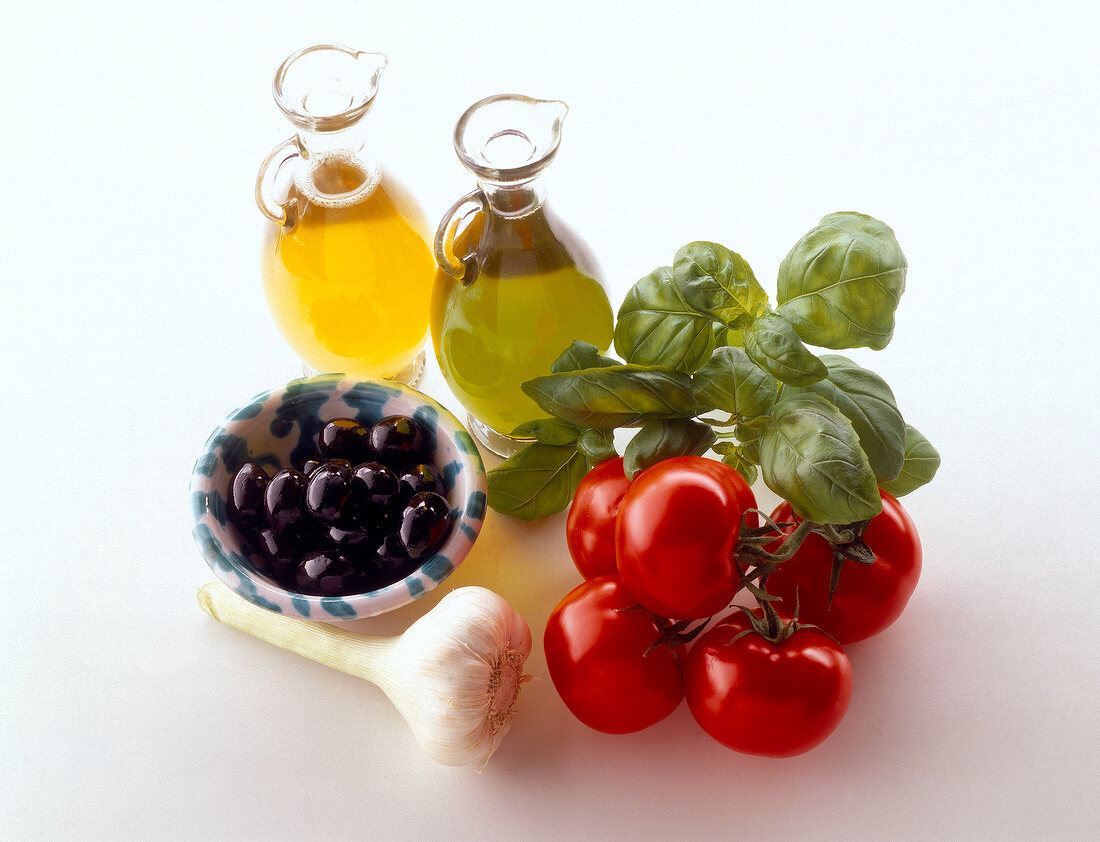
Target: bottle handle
<point>284,214</point>
<point>460,268</point>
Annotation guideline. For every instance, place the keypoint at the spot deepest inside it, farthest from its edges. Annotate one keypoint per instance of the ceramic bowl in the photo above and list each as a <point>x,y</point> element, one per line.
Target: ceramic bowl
<point>279,429</point>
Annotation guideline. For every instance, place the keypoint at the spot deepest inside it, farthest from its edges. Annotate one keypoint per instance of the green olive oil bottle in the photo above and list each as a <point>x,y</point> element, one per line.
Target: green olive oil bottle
<point>515,284</point>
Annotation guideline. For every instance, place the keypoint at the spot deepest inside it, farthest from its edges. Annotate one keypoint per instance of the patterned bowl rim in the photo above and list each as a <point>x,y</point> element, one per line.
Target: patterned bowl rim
<point>470,489</point>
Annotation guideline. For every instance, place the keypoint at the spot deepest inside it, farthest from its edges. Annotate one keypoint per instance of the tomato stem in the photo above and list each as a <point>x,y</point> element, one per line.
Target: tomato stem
<point>751,550</point>
<point>677,633</point>
<point>756,564</point>
<point>835,534</point>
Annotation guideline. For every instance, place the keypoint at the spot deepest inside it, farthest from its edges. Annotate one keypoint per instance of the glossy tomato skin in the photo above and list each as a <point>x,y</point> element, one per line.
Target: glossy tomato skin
<point>590,525</point>
<point>769,699</point>
<point>675,537</point>
<point>597,645</point>
<point>747,500</point>
<point>869,597</point>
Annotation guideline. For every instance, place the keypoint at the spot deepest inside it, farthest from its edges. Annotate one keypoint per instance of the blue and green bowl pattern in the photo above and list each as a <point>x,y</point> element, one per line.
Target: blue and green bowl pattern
<point>279,429</point>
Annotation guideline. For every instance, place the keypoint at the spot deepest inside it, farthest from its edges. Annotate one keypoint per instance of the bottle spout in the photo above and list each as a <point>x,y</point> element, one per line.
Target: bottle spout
<point>553,111</point>
<point>372,65</point>
<point>327,87</point>
<point>552,114</point>
<point>509,138</point>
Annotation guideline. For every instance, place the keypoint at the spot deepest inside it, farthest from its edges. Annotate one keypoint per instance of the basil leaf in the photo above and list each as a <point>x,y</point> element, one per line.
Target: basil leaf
<point>597,446</point>
<point>840,284</point>
<point>810,456</point>
<point>745,433</point>
<point>724,335</point>
<point>718,282</point>
<point>733,383</point>
<point>737,458</point>
<point>921,463</point>
<point>771,343</point>
<point>614,396</point>
<point>750,442</point>
<point>659,440</point>
<point>536,481</point>
<point>580,355</point>
<point>548,431</point>
<point>657,327</point>
<point>867,401</point>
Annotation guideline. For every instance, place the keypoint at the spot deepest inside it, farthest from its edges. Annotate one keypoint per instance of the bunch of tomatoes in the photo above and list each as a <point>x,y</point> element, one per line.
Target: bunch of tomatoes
<point>663,554</point>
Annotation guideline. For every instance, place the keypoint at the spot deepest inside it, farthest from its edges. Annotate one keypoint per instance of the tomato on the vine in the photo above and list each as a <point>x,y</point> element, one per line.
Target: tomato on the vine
<point>590,525</point>
<point>771,699</point>
<point>748,501</point>
<point>676,533</point>
<point>601,656</point>
<point>868,597</point>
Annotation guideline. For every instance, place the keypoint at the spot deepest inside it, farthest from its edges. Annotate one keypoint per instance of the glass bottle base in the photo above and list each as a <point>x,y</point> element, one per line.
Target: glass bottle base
<point>409,375</point>
<point>499,443</point>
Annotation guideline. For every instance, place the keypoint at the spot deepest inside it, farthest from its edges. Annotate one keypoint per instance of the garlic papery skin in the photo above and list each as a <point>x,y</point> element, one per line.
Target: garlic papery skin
<point>458,671</point>
<point>454,674</point>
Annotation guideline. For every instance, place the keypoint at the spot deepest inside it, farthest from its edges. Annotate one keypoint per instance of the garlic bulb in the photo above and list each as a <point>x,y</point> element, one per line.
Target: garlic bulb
<point>454,674</point>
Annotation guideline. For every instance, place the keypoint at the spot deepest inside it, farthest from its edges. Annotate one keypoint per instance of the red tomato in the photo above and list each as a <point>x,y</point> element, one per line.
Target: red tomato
<point>747,500</point>
<point>590,526</point>
<point>597,645</point>
<point>772,699</point>
<point>869,597</point>
<point>676,534</point>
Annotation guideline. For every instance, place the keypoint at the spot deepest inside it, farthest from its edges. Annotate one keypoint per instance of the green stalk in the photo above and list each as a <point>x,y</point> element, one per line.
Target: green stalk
<point>360,655</point>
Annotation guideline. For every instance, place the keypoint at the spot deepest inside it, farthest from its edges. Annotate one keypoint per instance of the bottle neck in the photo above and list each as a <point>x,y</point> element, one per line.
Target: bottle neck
<point>514,200</point>
<point>337,165</point>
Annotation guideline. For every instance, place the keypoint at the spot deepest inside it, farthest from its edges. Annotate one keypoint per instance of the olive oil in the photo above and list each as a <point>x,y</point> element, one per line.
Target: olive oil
<point>535,290</point>
<point>517,287</point>
<point>349,283</point>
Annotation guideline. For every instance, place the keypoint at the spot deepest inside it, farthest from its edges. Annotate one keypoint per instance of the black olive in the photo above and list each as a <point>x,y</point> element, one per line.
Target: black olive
<point>373,482</point>
<point>373,489</point>
<point>246,497</point>
<point>424,523</point>
<point>278,547</point>
<point>284,499</point>
<point>278,555</point>
<point>397,441</point>
<point>345,438</point>
<point>421,478</point>
<point>357,544</point>
<point>311,465</point>
<point>392,551</point>
<point>329,490</point>
<point>327,573</point>
<point>390,564</point>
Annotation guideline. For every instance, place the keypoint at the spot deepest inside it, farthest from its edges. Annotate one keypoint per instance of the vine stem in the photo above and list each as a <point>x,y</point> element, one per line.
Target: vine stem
<point>757,564</point>
<point>751,550</point>
<point>835,535</point>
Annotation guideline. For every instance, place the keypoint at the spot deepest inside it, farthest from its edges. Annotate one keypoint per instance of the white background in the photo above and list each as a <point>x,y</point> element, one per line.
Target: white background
<point>133,321</point>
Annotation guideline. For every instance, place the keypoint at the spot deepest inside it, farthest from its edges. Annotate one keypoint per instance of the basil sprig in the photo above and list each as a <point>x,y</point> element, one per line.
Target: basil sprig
<point>708,364</point>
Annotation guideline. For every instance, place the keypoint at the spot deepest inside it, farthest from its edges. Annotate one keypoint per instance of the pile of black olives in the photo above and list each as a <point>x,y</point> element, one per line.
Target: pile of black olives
<point>363,513</point>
